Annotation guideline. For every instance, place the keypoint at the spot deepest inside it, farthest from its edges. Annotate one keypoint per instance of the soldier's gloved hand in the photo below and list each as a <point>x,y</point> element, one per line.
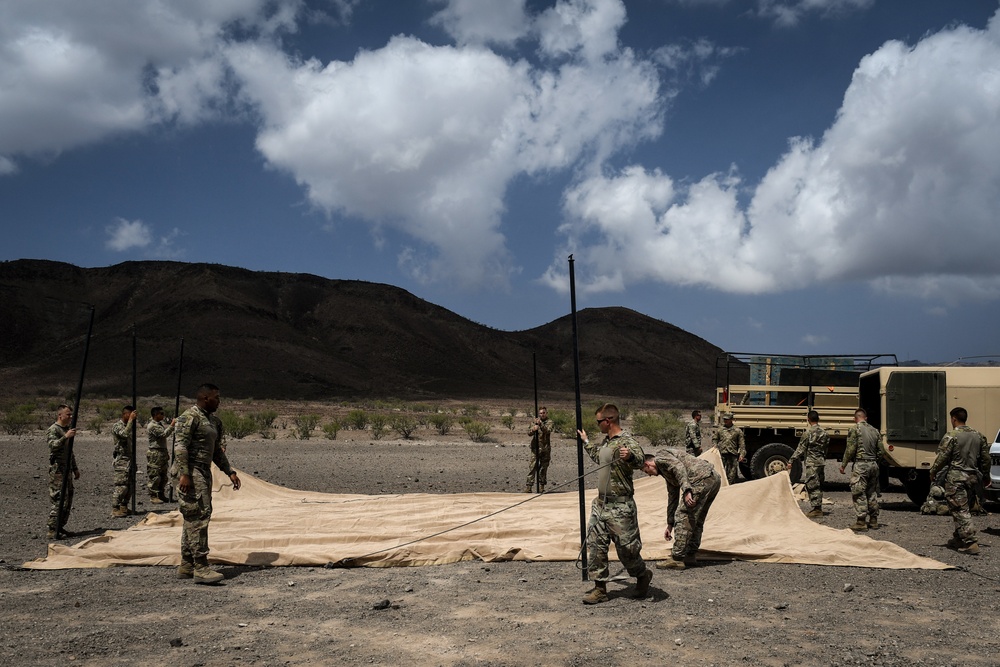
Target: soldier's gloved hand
<point>668,534</point>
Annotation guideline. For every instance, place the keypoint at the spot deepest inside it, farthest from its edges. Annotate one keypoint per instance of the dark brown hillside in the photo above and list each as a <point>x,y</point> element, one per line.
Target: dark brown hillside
<point>284,335</point>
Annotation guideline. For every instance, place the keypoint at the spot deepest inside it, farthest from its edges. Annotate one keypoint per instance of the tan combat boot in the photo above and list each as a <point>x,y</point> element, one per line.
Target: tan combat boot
<point>671,564</point>
<point>52,534</point>
<point>873,523</point>
<point>527,489</point>
<point>642,584</point>
<point>155,500</point>
<point>972,548</point>
<point>185,570</point>
<point>119,512</point>
<point>541,488</point>
<point>203,574</point>
<point>814,513</point>
<point>859,526</point>
<point>598,594</point>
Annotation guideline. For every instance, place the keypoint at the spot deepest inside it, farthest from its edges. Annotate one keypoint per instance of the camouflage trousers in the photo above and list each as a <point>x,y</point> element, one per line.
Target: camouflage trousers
<point>196,508</point>
<point>55,492</point>
<point>617,521</point>
<point>121,494</point>
<point>731,464</point>
<point>541,457</point>
<point>693,451</point>
<point>864,489</point>
<point>689,522</point>
<point>813,477</point>
<point>157,461</point>
<point>959,487</point>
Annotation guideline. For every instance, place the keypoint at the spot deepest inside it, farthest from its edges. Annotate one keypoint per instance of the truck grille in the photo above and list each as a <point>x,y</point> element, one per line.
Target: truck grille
<point>996,459</point>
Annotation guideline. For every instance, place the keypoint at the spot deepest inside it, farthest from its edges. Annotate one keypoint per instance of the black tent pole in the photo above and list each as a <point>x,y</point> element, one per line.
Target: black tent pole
<point>579,421</point>
<point>68,454</point>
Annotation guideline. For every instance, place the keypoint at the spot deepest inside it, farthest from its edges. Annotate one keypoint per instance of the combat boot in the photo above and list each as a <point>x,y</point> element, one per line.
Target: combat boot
<point>52,534</point>
<point>671,564</point>
<point>814,513</point>
<point>972,548</point>
<point>527,489</point>
<point>203,574</point>
<point>155,500</point>
<point>859,526</point>
<point>185,570</point>
<point>598,594</point>
<point>541,488</point>
<point>873,523</point>
<point>119,512</point>
<point>642,584</point>
<point>690,561</point>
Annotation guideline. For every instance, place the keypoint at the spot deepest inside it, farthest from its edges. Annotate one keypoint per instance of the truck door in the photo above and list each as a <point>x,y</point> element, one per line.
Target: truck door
<point>916,406</point>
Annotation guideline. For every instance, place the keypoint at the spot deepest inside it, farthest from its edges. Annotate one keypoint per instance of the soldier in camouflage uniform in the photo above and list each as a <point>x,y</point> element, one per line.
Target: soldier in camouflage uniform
<point>58,437</point>
<point>157,456</point>
<point>812,448</point>
<point>692,436</point>
<point>964,457</point>
<point>613,514</point>
<point>694,481</point>
<point>541,450</point>
<point>121,435</point>
<point>732,447</point>
<point>199,434</point>
<point>864,448</point>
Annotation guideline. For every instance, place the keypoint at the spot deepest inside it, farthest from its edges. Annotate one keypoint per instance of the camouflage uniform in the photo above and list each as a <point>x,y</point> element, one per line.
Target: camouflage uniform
<point>683,472</point>
<point>56,437</point>
<point>964,457</point>
<point>732,447</point>
<point>864,447</point>
<point>541,453</point>
<point>199,435</point>
<point>692,438</point>
<point>121,435</point>
<point>613,515</point>
<point>157,457</point>
<point>812,448</point>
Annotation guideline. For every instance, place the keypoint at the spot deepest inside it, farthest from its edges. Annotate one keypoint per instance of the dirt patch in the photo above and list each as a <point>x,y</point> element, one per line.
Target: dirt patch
<point>473,613</point>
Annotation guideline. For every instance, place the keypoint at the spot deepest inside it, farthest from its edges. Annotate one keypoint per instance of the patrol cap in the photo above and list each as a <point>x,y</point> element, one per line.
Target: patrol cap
<point>727,415</point>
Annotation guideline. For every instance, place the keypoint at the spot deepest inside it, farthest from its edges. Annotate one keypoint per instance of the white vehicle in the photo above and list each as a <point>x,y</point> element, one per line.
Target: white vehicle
<point>993,491</point>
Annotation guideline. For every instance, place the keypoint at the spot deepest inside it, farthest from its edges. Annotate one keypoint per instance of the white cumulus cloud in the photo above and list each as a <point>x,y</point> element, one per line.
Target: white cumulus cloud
<point>126,235</point>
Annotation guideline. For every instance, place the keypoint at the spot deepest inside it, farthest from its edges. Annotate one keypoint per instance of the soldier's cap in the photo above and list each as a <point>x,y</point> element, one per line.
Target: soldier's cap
<point>727,415</point>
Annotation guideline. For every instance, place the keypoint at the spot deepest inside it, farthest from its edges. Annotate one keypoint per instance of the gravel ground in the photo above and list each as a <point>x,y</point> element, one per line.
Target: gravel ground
<point>473,613</point>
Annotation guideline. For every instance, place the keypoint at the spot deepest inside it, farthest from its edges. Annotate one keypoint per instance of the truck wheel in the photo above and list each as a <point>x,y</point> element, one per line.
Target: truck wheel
<point>917,484</point>
<point>772,459</point>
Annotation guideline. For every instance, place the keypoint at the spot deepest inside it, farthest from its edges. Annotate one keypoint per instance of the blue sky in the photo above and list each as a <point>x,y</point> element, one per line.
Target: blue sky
<point>788,176</point>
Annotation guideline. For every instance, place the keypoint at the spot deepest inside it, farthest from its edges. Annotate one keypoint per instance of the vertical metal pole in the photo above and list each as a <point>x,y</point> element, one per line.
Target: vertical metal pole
<point>68,455</point>
<point>579,422</point>
<point>538,433</point>
<point>135,410</point>
<point>177,410</point>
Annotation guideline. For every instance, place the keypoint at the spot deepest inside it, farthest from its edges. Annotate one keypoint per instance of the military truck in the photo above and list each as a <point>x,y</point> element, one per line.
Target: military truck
<point>770,395</point>
<point>910,406</point>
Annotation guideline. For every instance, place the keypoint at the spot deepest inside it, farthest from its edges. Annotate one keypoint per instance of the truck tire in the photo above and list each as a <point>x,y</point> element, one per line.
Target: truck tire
<point>917,484</point>
<point>771,459</point>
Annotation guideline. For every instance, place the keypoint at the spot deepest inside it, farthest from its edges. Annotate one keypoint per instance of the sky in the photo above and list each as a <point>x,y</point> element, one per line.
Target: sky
<point>778,176</point>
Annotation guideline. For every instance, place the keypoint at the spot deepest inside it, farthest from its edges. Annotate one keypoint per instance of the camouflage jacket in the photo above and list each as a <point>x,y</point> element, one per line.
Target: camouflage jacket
<point>730,441</point>
<point>616,479</point>
<point>692,436</point>
<point>812,446</point>
<point>864,443</point>
<point>157,434</point>
<point>56,437</point>
<point>682,472</point>
<point>121,435</point>
<point>543,436</point>
<point>199,442</point>
<point>964,449</point>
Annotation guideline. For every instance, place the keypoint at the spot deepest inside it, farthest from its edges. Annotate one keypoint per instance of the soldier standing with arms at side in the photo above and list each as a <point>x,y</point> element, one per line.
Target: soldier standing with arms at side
<point>692,436</point>
<point>732,447</point>
<point>613,514</point>
<point>812,447</point>
<point>199,434</point>
<point>57,436</point>
<point>864,448</point>
<point>692,485</point>
<point>121,435</point>
<point>541,449</point>
<point>964,457</point>
<point>157,456</point>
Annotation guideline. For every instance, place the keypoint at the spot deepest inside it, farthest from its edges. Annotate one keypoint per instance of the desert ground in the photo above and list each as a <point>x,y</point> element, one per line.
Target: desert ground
<point>472,613</point>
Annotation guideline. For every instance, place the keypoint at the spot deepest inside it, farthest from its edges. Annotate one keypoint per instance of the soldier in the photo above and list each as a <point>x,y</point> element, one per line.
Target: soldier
<point>541,449</point>
<point>964,457</point>
<point>199,433</point>
<point>812,448</point>
<point>157,457</point>
<point>696,482</point>
<point>692,436</point>
<point>732,447</point>
<point>121,435</point>
<point>58,437</point>
<point>864,448</point>
<point>613,514</point>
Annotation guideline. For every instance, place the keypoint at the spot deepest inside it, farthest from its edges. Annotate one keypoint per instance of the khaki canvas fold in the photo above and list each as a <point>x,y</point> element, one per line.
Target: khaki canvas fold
<point>265,524</point>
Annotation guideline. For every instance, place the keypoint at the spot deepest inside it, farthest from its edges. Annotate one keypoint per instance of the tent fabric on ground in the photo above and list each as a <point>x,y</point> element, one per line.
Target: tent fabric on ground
<point>267,525</point>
